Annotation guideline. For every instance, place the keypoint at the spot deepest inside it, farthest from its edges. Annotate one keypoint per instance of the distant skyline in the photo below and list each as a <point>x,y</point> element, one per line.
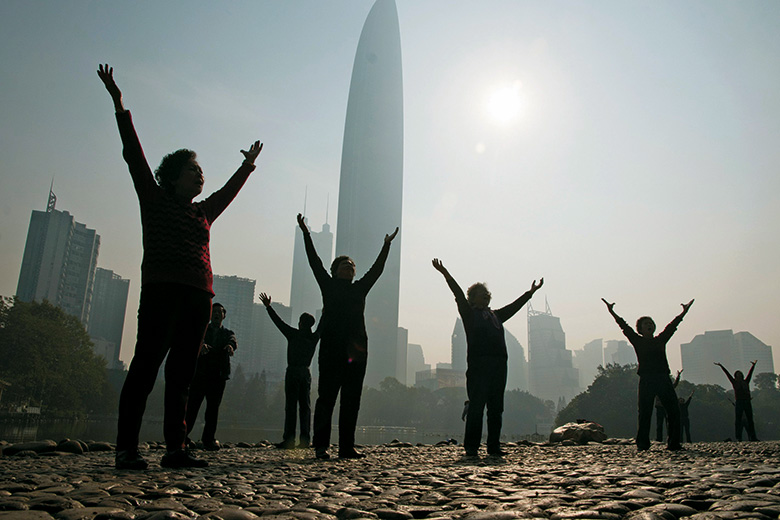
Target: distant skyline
<point>618,149</point>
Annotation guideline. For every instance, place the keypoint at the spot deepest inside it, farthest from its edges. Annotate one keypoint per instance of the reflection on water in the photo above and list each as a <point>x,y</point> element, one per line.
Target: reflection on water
<point>21,428</point>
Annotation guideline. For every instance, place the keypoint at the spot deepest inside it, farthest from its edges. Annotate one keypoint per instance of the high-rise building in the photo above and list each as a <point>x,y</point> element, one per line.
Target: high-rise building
<point>371,185</point>
<point>59,261</point>
<point>459,346</point>
<point>551,372</point>
<point>517,367</point>
<point>402,355</point>
<point>415,363</point>
<point>588,360</point>
<point>107,319</point>
<point>237,295</point>
<point>619,352</point>
<point>734,351</point>
<point>305,294</point>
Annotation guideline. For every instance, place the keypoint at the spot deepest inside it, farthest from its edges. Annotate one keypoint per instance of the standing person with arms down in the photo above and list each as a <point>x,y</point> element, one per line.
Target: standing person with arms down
<point>301,343</point>
<point>654,374</point>
<point>685,419</point>
<point>211,374</point>
<point>176,284</point>
<point>742,404</point>
<point>343,344</point>
<point>486,357</point>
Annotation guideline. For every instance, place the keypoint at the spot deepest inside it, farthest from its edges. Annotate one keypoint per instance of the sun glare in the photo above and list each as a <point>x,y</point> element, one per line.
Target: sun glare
<point>505,103</point>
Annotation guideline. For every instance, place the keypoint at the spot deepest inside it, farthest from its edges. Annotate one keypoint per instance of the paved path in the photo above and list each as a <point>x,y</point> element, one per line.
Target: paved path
<point>707,481</point>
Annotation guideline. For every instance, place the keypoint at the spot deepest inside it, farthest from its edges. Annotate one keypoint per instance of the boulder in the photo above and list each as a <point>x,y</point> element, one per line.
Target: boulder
<point>579,433</point>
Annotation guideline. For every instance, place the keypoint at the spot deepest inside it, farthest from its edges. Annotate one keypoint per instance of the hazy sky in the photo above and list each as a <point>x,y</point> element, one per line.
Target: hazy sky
<point>642,165</point>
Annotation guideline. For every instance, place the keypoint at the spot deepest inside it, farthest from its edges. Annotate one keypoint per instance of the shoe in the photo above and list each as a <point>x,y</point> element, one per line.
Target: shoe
<point>351,454</point>
<point>286,445</point>
<point>181,459</point>
<point>190,444</point>
<point>321,453</point>
<point>496,453</point>
<point>472,453</point>
<point>130,459</point>
<point>304,444</point>
<point>212,445</point>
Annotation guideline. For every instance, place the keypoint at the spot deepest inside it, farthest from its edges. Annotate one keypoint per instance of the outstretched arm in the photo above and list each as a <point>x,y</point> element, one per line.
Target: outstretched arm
<point>460,297</point>
<point>218,201</point>
<point>670,329</point>
<point>750,372</point>
<point>283,327</point>
<point>677,379</point>
<point>510,310</point>
<point>731,379</point>
<point>625,327</point>
<point>372,275</point>
<point>106,75</point>
<point>320,274</point>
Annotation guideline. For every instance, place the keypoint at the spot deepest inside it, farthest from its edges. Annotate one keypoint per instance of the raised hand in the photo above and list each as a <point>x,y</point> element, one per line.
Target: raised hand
<point>302,223</point>
<point>254,150</point>
<point>439,266</point>
<point>535,287</point>
<point>265,299</point>
<point>106,75</point>
<point>686,306</point>
<point>609,305</point>
<point>389,238</point>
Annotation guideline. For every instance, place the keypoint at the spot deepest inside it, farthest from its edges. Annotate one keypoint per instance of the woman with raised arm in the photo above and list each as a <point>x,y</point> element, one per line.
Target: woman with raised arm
<point>654,374</point>
<point>343,343</point>
<point>176,284</point>
<point>486,357</point>
<point>742,404</point>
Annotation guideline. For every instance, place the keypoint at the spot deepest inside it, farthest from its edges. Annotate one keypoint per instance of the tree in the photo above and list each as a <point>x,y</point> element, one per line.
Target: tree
<point>766,381</point>
<point>49,360</point>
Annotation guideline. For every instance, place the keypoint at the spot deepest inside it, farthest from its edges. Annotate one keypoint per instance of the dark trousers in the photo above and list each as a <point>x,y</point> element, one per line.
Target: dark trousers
<point>744,407</point>
<point>660,419</point>
<point>212,390</point>
<point>334,377</point>
<point>650,386</point>
<point>172,320</point>
<point>297,398</point>
<point>685,429</point>
<point>485,385</point>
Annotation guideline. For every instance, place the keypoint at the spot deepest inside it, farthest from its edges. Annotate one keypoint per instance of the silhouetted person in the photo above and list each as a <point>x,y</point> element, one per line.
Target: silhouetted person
<point>176,284</point>
<point>343,344</point>
<point>685,420</point>
<point>742,404</point>
<point>301,343</point>
<point>465,410</point>
<point>660,412</point>
<point>211,375</point>
<point>486,357</point>
<point>654,374</point>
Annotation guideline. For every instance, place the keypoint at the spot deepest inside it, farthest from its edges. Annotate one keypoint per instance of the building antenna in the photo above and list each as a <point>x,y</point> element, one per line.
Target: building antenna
<point>52,198</point>
<point>327,208</point>
<point>305,198</point>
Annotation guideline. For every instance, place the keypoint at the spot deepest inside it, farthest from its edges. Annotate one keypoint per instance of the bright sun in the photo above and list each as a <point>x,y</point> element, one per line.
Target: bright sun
<point>505,103</point>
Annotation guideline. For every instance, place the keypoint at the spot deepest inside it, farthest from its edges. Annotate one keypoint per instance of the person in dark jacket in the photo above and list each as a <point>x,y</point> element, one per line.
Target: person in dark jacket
<point>742,403</point>
<point>654,374</point>
<point>176,284</point>
<point>301,343</point>
<point>486,356</point>
<point>343,343</point>
<point>685,419</point>
<point>211,375</point>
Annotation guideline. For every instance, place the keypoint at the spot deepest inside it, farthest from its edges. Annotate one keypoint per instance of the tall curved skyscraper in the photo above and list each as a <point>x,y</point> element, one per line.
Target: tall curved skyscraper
<point>371,186</point>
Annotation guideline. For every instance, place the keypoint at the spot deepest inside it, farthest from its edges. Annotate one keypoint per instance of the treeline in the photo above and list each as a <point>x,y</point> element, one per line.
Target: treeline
<point>611,400</point>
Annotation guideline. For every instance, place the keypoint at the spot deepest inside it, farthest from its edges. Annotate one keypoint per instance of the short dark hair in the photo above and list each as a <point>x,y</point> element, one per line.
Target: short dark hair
<point>643,318</point>
<point>307,320</point>
<point>224,311</point>
<point>170,167</point>
<point>335,264</point>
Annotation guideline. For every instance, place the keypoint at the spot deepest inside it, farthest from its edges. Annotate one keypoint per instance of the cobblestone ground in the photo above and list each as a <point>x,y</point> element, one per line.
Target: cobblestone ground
<point>599,481</point>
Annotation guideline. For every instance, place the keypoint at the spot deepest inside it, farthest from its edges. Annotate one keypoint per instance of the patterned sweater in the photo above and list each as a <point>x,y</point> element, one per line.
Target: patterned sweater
<point>175,232</point>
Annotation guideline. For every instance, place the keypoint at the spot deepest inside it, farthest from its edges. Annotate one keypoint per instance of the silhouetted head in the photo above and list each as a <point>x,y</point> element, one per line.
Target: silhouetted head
<point>478,296</point>
<point>738,375</point>
<point>645,326</point>
<point>306,321</point>
<point>343,268</point>
<point>180,174</point>
<point>681,400</point>
<point>218,313</point>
